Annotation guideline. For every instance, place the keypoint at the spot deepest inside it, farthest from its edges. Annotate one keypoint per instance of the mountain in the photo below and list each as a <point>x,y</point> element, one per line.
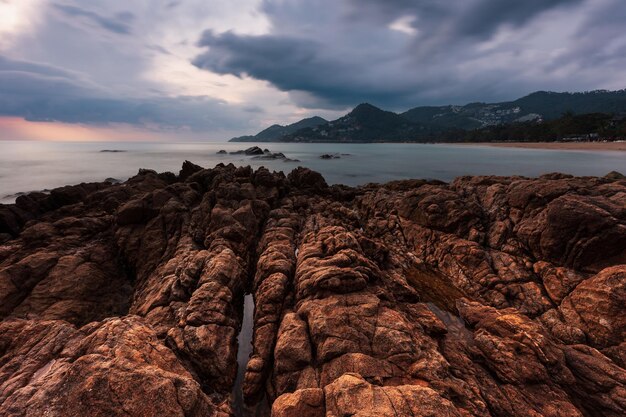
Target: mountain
<point>365,123</point>
<point>275,132</point>
<point>541,105</point>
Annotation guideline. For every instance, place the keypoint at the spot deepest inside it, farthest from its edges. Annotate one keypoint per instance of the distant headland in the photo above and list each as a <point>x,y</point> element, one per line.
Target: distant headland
<point>539,117</point>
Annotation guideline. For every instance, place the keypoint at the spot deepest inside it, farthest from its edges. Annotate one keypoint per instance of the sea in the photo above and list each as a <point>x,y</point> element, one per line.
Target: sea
<point>39,166</point>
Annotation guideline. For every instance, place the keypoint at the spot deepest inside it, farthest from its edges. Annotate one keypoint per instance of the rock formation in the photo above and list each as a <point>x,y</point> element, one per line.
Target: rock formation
<point>488,296</point>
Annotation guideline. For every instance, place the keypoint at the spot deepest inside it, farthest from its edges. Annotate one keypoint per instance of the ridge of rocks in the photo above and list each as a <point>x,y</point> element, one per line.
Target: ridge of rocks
<point>487,296</point>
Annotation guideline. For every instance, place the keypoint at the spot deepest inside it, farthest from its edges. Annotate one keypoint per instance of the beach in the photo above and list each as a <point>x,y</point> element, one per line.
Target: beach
<point>564,146</point>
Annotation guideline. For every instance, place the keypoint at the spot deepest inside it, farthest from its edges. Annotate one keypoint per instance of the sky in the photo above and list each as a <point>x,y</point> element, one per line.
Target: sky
<point>213,69</point>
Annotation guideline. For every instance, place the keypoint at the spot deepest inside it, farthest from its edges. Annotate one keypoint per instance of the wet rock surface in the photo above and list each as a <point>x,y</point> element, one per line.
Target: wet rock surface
<point>488,296</point>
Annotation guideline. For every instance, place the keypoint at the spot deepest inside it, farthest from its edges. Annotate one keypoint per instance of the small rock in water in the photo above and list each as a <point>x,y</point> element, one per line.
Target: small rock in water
<point>254,150</point>
<point>112,150</point>
<point>221,152</point>
<point>269,156</point>
<point>329,156</point>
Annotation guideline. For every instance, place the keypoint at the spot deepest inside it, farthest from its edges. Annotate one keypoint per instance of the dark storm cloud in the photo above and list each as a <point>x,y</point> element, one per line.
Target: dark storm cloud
<point>488,15</point>
<point>38,92</point>
<point>292,63</point>
<point>284,60</point>
<point>330,53</point>
<point>470,17</point>
<point>120,23</point>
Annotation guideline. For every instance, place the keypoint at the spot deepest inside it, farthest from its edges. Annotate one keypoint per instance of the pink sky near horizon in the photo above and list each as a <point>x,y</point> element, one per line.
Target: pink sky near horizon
<point>17,128</point>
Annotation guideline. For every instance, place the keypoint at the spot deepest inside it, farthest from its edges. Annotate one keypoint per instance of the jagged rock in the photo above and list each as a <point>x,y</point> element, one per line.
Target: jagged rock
<point>305,179</point>
<point>488,296</point>
<point>614,175</point>
<point>302,403</point>
<point>596,307</point>
<point>113,368</point>
<point>146,171</point>
<point>188,170</point>
<point>352,395</point>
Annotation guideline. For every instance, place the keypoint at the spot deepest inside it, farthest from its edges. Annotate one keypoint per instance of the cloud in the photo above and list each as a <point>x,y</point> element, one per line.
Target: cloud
<point>119,24</point>
<point>402,53</point>
<point>462,17</point>
<point>32,67</point>
<point>122,63</point>
<point>259,62</point>
<point>38,92</point>
<point>487,16</point>
<point>295,64</point>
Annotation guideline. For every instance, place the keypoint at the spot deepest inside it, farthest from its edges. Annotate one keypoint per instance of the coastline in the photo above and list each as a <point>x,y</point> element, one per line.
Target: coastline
<point>580,146</point>
<point>573,146</point>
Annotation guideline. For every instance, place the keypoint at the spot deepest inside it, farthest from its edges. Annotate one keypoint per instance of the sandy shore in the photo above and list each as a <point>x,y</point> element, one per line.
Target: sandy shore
<point>581,146</point>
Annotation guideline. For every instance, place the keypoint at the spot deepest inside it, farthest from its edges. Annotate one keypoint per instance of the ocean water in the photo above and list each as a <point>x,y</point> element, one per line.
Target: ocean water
<point>36,166</point>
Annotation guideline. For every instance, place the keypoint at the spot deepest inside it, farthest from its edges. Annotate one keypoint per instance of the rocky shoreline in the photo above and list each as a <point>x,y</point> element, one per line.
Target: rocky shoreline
<point>487,296</point>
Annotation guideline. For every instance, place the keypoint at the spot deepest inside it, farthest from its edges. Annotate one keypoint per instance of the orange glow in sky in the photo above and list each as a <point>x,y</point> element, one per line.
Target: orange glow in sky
<point>16,128</point>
